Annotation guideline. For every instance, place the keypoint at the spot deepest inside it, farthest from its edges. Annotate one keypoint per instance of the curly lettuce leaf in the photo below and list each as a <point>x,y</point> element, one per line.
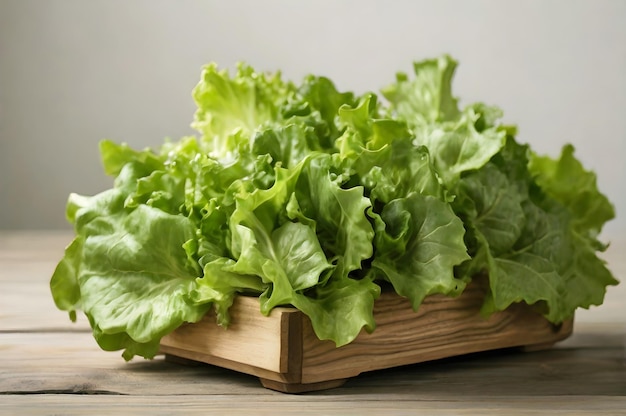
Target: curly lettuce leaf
<point>64,283</point>
<point>567,181</point>
<point>287,145</point>
<point>551,267</point>
<point>133,275</point>
<point>460,147</point>
<point>529,244</point>
<point>219,286</point>
<point>358,127</point>
<point>397,170</point>
<point>458,141</point>
<point>419,241</point>
<point>319,94</point>
<point>340,309</point>
<point>286,256</point>
<point>342,226</point>
<point>428,97</point>
<point>231,109</point>
<point>587,276</point>
<point>492,206</point>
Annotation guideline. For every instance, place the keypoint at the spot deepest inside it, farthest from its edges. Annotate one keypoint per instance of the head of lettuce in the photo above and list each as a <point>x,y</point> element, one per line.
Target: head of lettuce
<point>306,196</point>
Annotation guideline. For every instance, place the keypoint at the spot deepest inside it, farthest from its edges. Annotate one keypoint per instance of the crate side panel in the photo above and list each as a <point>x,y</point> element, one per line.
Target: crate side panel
<point>251,339</point>
<point>443,327</point>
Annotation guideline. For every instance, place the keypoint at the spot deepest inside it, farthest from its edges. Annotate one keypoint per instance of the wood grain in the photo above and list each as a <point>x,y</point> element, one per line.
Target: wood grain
<point>290,405</point>
<point>251,339</point>
<point>442,327</point>
<point>275,356</point>
<point>27,261</point>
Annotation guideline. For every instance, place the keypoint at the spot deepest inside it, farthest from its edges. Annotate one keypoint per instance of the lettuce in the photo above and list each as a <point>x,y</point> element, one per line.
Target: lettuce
<point>306,196</point>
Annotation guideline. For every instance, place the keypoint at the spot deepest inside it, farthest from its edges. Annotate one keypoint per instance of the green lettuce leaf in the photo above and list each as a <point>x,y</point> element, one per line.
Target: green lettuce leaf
<point>219,287</point>
<point>287,256</point>
<point>115,156</point>
<point>318,94</point>
<point>341,308</point>
<point>133,275</point>
<point>397,170</point>
<point>458,147</point>
<point>287,145</point>
<point>428,97</point>
<point>568,182</point>
<point>492,206</point>
<point>342,226</point>
<point>419,241</point>
<point>64,282</point>
<point>228,106</point>
<point>529,244</point>
<point>586,276</point>
<point>551,267</point>
<point>458,141</point>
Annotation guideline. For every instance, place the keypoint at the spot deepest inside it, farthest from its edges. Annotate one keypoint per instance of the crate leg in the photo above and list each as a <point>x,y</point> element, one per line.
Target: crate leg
<point>537,347</point>
<point>299,387</point>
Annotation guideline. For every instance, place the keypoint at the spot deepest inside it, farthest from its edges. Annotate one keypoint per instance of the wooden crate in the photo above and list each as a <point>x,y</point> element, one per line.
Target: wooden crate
<point>283,351</point>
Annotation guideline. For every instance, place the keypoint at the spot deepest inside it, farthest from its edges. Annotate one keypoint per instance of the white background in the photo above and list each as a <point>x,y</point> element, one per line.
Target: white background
<point>73,72</point>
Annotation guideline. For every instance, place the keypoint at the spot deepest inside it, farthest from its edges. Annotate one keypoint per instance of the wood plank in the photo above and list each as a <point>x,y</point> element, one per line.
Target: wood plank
<point>442,327</point>
<point>251,340</point>
<point>34,245</point>
<point>586,364</point>
<point>308,405</point>
<point>73,363</point>
<point>26,303</point>
<point>27,261</point>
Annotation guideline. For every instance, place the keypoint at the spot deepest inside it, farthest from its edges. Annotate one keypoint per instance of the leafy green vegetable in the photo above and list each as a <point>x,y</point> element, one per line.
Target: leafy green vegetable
<point>419,241</point>
<point>307,196</point>
<point>569,183</point>
<point>428,97</point>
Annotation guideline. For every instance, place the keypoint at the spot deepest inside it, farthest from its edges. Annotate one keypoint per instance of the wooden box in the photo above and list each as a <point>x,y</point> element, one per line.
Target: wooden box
<point>283,351</point>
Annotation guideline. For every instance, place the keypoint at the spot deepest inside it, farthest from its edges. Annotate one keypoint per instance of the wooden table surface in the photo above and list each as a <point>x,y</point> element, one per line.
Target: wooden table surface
<point>49,365</point>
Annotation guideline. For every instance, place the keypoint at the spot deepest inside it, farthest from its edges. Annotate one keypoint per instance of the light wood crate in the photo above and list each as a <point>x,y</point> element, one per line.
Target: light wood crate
<point>284,352</point>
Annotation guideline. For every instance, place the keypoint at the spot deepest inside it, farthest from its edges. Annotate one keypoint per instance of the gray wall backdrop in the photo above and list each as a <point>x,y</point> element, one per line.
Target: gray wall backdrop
<point>73,72</point>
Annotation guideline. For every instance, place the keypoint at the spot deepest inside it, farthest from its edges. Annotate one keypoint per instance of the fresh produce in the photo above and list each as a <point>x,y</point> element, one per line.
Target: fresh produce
<point>306,196</point>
